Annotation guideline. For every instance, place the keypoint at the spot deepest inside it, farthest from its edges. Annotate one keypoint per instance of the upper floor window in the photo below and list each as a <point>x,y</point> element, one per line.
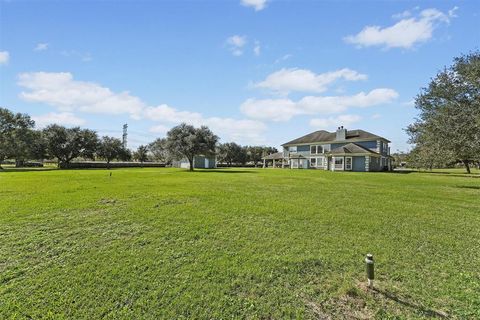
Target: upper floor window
<point>292,149</point>
<point>316,149</point>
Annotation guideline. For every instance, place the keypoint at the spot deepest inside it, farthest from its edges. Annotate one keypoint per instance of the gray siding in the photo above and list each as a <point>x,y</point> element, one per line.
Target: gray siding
<point>375,164</point>
<point>358,163</point>
<point>199,163</point>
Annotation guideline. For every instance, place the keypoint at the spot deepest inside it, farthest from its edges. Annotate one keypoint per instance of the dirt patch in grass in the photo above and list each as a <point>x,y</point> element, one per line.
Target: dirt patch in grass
<point>108,201</point>
<point>350,305</point>
<point>176,201</point>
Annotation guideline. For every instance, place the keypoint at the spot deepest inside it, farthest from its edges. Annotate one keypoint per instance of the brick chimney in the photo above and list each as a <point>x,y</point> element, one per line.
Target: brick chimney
<point>341,134</point>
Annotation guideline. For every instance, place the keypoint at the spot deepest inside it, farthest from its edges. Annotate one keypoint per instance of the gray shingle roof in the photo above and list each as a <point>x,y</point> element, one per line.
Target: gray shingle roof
<point>278,155</point>
<point>325,136</point>
<point>351,148</point>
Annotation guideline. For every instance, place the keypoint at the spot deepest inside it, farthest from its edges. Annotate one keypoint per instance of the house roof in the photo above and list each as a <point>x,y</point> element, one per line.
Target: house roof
<point>351,148</point>
<point>274,156</point>
<point>325,136</point>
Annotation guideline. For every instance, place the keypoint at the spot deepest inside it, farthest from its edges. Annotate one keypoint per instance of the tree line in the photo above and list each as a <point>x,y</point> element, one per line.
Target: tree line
<point>19,140</point>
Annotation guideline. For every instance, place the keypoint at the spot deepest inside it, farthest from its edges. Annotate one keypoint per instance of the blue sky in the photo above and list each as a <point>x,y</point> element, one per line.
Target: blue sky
<point>254,71</point>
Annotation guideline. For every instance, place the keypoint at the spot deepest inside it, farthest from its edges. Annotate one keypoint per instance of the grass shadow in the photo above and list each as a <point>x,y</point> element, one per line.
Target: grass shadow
<point>401,171</point>
<point>469,187</point>
<point>6,170</point>
<point>428,312</point>
<point>222,171</point>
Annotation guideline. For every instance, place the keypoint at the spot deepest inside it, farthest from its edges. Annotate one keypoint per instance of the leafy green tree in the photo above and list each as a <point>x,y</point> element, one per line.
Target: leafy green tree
<point>109,148</point>
<point>186,141</point>
<point>242,156</point>
<point>141,154</point>
<point>125,154</point>
<point>230,153</point>
<point>255,154</point>
<point>16,135</point>
<point>68,143</point>
<point>38,148</point>
<point>449,114</point>
<point>159,151</point>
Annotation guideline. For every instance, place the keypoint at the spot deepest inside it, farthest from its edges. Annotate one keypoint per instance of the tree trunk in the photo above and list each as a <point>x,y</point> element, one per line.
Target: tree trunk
<point>191,164</point>
<point>467,166</point>
<point>108,164</point>
<point>19,163</point>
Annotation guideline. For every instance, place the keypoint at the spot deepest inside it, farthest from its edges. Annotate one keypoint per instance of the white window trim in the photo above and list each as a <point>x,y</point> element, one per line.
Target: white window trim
<point>316,147</point>
<point>335,164</point>
<point>320,162</point>
<point>316,162</point>
<point>293,162</point>
<point>351,164</point>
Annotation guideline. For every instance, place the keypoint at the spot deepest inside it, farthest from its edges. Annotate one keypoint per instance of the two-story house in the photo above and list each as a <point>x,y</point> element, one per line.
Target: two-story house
<point>352,150</point>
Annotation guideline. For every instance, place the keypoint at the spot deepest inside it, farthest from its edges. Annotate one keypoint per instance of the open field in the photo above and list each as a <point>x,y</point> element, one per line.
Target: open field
<point>237,243</point>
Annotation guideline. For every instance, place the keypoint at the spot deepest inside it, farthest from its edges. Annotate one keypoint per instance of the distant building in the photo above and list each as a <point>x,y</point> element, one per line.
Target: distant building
<point>343,150</point>
<point>199,162</point>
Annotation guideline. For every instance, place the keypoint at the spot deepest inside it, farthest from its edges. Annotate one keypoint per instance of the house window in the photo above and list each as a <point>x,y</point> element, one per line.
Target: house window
<point>313,162</point>
<point>348,163</point>
<point>316,149</point>
<point>294,163</point>
<point>320,163</point>
<point>338,163</point>
<point>292,149</point>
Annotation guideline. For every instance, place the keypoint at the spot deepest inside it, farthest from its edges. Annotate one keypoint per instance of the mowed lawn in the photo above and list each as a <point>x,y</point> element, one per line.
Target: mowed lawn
<point>237,243</point>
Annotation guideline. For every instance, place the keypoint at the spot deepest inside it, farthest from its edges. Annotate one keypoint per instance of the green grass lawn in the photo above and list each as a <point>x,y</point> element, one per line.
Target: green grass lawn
<point>237,243</point>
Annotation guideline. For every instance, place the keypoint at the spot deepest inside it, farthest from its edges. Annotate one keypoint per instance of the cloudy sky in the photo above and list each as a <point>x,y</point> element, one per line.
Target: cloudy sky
<point>254,71</point>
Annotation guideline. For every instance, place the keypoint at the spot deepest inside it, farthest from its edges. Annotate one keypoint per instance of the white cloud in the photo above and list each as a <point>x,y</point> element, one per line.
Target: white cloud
<point>62,118</point>
<point>84,56</point>
<point>257,49</point>
<point>333,122</point>
<point>159,129</point>
<point>285,109</point>
<point>166,113</point>
<point>270,109</point>
<point>4,57</point>
<point>239,130</point>
<point>287,80</point>
<point>236,44</point>
<point>256,4</point>
<point>376,116</point>
<point>402,15</point>
<point>63,92</point>
<point>405,33</point>
<point>68,95</point>
<point>283,58</point>
<point>41,47</point>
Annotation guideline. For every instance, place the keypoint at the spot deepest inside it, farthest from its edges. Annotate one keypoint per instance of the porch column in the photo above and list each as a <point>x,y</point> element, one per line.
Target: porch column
<point>273,163</point>
<point>264,164</point>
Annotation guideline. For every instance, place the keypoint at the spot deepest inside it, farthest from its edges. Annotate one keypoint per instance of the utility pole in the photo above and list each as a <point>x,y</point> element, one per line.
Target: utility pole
<point>124,136</point>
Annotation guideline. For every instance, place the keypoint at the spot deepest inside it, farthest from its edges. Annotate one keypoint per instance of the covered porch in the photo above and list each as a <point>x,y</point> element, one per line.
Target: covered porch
<point>276,159</point>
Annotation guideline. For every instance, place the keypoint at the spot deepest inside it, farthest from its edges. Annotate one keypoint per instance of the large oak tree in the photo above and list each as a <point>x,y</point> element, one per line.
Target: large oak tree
<point>448,124</point>
<point>186,141</point>
<point>68,143</point>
